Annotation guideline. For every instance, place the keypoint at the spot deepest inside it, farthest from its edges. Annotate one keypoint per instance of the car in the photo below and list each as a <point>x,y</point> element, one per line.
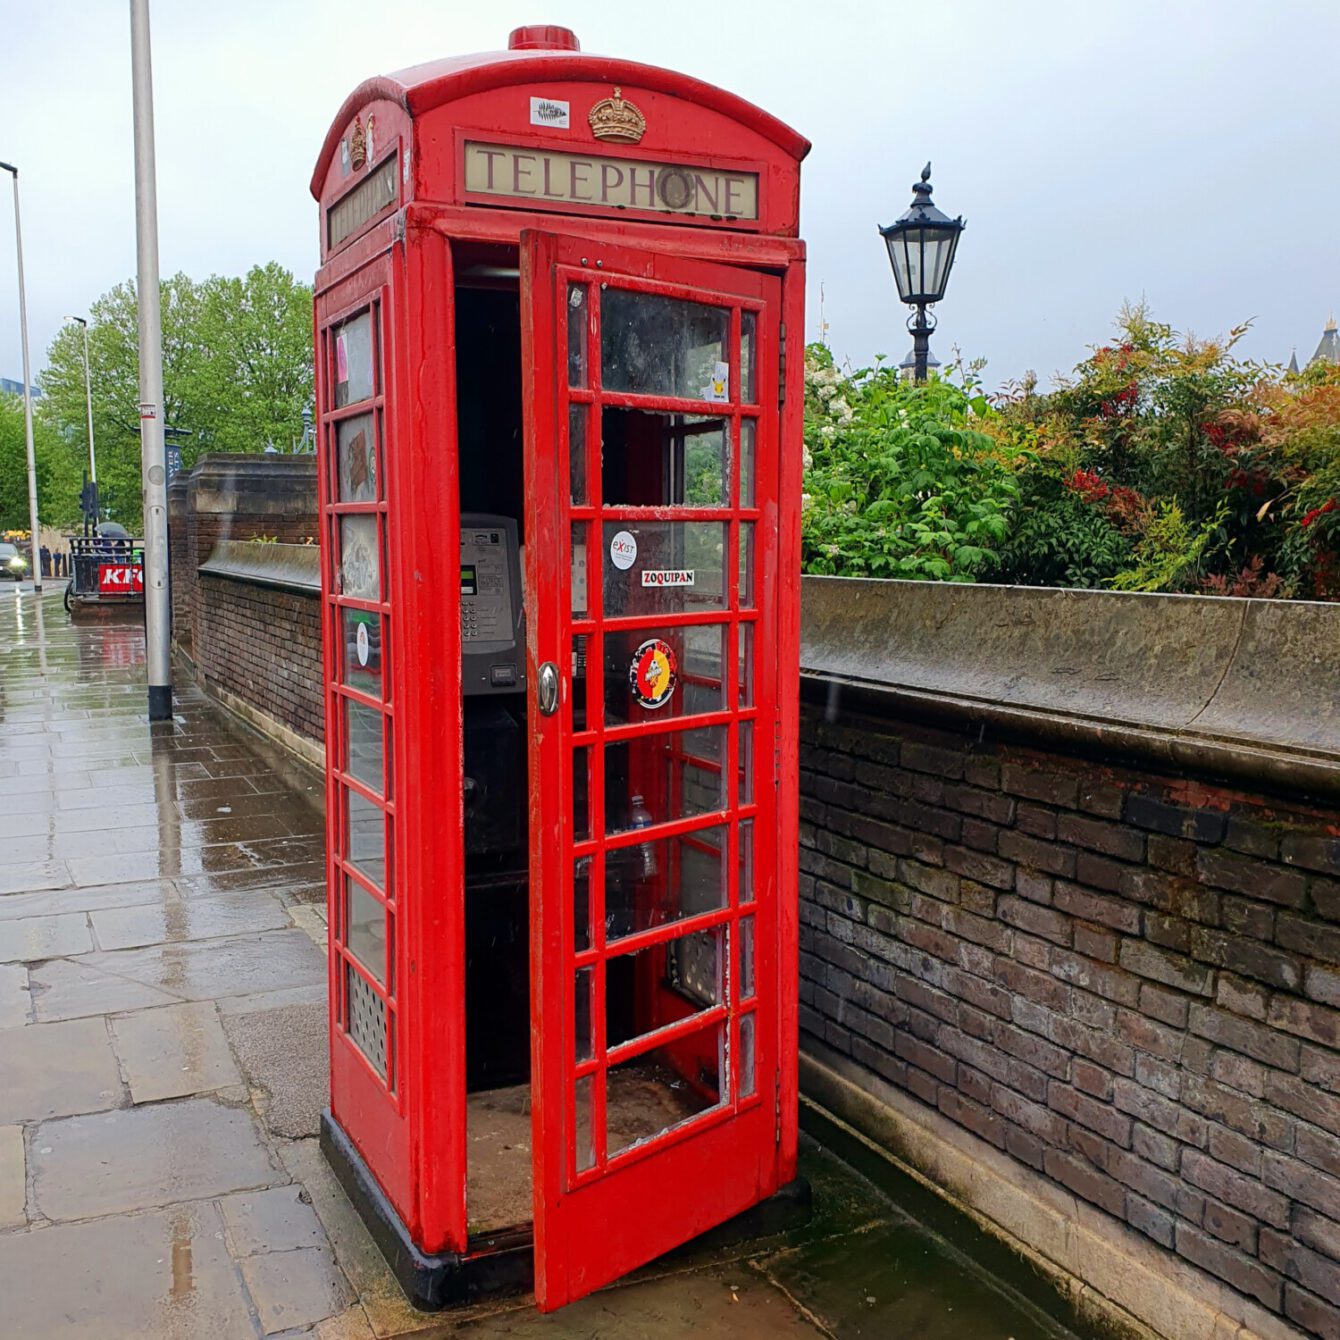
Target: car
<point>12,563</point>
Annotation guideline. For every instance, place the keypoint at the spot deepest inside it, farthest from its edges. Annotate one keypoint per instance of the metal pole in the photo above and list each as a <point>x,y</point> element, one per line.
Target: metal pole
<point>88,404</point>
<point>921,344</point>
<point>33,525</point>
<point>153,457</point>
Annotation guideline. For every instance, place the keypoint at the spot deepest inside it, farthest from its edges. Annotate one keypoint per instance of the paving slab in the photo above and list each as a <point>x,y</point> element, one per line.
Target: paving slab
<point>284,1053</point>
<point>278,1220</point>
<point>75,988</point>
<point>295,1288</point>
<point>206,970</point>
<point>55,901</point>
<point>33,938</point>
<point>15,1002</point>
<point>175,919</point>
<point>53,1070</point>
<point>13,1178</point>
<point>145,1157</point>
<point>160,1276</point>
<point>173,1052</point>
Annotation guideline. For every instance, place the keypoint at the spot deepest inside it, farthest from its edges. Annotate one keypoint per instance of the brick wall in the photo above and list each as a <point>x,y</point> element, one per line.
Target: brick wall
<point>263,645</point>
<point>1129,984</point>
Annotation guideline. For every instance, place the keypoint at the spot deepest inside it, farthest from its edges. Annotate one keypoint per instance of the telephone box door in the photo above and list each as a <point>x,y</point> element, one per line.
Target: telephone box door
<point>651,540</point>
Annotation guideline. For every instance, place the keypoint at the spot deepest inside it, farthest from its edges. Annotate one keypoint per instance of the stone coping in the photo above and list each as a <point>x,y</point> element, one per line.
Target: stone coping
<point>290,567</point>
<point>1247,687</point>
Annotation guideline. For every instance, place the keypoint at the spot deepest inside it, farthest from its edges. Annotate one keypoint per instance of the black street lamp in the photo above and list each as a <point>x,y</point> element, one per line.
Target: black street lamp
<point>921,249</point>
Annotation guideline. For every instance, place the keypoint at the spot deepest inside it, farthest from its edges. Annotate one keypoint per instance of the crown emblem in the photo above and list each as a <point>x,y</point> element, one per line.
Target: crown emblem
<point>617,120</point>
<point>360,143</point>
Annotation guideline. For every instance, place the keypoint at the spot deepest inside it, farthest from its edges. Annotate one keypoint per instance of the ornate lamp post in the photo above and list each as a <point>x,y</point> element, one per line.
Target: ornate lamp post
<point>921,249</point>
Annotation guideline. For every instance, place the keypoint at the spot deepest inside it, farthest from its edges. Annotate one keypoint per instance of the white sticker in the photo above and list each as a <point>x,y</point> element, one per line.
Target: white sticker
<point>623,550</point>
<point>719,387</point>
<point>361,639</point>
<point>667,577</point>
<point>550,112</point>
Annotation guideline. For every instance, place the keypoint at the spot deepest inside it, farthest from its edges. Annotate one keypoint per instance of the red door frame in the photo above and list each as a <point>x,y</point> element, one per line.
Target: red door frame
<point>730,1156</point>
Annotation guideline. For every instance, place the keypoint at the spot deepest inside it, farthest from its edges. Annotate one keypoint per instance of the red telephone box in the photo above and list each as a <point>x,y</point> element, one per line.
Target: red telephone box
<point>560,462</point>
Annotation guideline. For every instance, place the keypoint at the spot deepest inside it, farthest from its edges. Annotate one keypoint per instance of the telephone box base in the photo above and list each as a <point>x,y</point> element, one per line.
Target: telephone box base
<point>503,1263</point>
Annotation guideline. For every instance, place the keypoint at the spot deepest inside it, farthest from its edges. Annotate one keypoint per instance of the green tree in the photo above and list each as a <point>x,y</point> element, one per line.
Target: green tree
<point>52,458</point>
<point>237,371</point>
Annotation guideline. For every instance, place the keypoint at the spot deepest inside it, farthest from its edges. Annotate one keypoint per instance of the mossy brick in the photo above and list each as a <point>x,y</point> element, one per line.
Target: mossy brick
<point>1099,872</point>
<point>1038,783</point>
<point>1306,1019</point>
<point>1314,851</point>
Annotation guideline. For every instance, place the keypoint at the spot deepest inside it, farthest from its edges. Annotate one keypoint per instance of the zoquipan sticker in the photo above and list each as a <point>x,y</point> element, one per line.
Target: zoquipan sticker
<point>653,674</point>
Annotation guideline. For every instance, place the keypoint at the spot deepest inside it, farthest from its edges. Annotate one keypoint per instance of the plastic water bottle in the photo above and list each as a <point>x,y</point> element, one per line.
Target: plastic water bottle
<point>641,818</point>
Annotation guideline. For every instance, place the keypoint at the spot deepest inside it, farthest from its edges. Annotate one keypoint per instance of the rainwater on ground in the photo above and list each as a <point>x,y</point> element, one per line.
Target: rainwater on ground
<point>162,1064</point>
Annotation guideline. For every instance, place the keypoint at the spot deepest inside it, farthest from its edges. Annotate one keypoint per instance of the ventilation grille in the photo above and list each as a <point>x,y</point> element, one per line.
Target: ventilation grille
<point>367,1020</point>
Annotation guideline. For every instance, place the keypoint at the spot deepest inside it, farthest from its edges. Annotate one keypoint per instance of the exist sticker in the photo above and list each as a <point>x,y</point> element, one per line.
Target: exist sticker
<point>623,550</point>
<point>361,641</point>
<point>719,387</point>
<point>667,577</point>
<point>652,676</point>
<point>550,112</point>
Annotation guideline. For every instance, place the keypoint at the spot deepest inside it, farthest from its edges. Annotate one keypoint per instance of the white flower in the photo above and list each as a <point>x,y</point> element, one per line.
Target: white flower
<point>806,501</point>
<point>806,458</point>
<point>826,393</point>
<point>828,432</point>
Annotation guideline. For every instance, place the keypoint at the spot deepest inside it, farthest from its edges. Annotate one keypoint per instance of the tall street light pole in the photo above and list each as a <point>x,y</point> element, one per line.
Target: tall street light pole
<point>153,454</point>
<point>27,392</point>
<point>88,402</point>
<point>921,247</point>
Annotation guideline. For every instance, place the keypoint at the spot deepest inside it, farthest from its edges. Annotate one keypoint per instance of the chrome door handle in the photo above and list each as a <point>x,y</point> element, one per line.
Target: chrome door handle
<point>547,689</point>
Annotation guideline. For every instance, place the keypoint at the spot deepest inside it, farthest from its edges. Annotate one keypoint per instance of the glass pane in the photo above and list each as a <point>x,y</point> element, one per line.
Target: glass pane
<point>581,822</point>
<point>363,744</point>
<point>659,778</point>
<point>748,357</point>
<point>586,1149</point>
<point>748,595</point>
<point>577,560</point>
<point>583,1049</point>
<point>745,665</point>
<point>360,564</point>
<point>577,416</point>
<point>663,346</point>
<point>664,1088</point>
<point>746,762</point>
<point>357,454</point>
<point>663,460</point>
<point>579,682</point>
<point>362,639</point>
<point>663,567</point>
<point>577,328</point>
<point>747,984</point>
<point>675,672</point>
<point>747,1080</point>
<point>661,881</point>
<point>367,838</point>
<point>748,429</point>
<point>581,904</point>
<point>365,928</point>
<point>746,860</point>
<point>353,361</point>
<point>691,967</point>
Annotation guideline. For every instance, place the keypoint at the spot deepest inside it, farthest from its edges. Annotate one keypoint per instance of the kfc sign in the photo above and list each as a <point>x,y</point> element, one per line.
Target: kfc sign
<point>120,579</point>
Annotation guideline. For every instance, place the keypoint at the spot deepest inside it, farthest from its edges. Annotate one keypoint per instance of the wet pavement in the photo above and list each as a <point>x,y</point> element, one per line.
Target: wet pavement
<point>162,1063</point>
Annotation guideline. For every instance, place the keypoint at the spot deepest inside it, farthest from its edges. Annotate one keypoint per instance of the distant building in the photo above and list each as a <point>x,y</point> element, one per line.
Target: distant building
<point>8,386</point>
<point>1328,350</point>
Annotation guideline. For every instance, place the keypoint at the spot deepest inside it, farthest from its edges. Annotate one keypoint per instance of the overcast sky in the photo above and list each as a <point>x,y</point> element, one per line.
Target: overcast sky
<point>1186,152</point>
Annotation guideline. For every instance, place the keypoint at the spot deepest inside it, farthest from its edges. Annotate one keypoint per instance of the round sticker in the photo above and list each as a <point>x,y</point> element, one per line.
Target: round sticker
<point>652,675</point>
<point>361,638</point>
<point>623,550</point>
